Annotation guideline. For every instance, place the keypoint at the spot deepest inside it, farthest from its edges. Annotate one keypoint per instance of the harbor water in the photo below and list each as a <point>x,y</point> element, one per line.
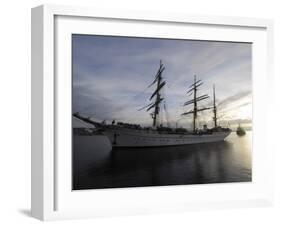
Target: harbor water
<point>96,166</point>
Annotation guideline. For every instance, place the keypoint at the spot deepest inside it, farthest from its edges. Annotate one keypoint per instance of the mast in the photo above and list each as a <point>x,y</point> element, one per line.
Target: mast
<point>215,107</point>
<point>195,104</point>
<point>157,100</point>
<point>194,88</point>
<point>160,83</point>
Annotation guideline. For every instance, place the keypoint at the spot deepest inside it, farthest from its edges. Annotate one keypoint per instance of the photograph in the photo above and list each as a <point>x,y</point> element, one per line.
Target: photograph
<point>149,111</point>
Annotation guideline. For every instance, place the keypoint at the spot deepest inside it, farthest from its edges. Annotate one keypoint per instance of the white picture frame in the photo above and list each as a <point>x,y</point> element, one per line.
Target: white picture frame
<point>52,197</point>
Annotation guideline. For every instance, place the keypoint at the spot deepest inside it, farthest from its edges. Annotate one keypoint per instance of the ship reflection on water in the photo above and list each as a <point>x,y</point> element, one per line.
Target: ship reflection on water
<point>96,166</point>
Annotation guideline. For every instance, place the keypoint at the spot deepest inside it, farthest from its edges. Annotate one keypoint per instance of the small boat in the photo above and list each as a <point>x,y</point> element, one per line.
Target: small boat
<point>240,131</point>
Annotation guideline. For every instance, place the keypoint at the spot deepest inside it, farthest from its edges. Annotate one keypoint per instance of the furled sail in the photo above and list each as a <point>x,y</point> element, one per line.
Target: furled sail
<point>161,69</point>
<point>158,89</point>
<point>203,97</point>
<point>192,111</point>
<point>154,104</point>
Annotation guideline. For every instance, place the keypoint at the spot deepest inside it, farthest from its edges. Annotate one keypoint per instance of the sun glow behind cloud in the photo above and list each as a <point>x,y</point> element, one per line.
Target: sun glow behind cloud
<point>110,76</point>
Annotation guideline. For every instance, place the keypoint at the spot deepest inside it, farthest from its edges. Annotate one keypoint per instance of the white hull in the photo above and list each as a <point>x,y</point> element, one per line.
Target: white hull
<point>141,138</point>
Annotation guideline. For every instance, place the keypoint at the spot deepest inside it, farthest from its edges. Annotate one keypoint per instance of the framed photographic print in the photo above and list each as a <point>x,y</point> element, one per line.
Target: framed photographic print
<point>137,112</point>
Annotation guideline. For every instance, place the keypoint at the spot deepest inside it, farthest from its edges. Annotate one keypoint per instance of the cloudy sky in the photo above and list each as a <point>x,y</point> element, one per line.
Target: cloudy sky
<point>111,76</point>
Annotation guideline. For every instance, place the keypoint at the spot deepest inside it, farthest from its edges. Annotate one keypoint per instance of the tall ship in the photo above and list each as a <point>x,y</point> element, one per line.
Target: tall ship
<point>122,135</point>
